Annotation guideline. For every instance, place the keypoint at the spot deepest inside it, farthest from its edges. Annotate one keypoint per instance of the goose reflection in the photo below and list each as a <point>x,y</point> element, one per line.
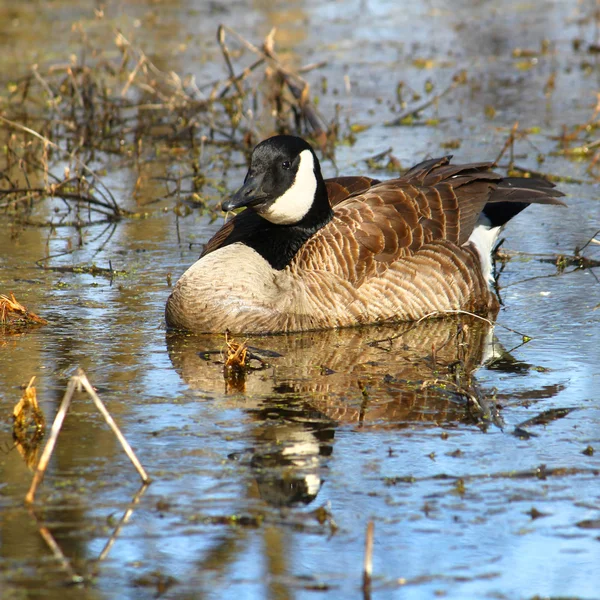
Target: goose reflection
<point>302,387</point>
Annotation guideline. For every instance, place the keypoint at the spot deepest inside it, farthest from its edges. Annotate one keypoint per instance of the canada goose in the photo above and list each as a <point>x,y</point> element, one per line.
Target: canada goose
<point>309,253</point>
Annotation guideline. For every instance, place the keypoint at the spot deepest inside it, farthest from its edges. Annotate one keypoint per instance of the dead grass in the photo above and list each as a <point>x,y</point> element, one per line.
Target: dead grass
<point>29,425</point>
<point>236,354</point>
<point>14,316</point>
<point>235,367</point>
<point>111,107</point>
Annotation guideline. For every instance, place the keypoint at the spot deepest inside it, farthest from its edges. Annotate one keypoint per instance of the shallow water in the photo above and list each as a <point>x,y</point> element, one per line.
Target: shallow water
<point>265,489</point>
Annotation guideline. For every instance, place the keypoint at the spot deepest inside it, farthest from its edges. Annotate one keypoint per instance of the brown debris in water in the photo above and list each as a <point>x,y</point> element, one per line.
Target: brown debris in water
<point>13,315</point>
<point>235,365</point>
<point>29,425</point>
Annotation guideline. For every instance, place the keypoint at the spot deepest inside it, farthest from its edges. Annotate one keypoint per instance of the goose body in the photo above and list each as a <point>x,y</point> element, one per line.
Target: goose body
<point>314,254</point>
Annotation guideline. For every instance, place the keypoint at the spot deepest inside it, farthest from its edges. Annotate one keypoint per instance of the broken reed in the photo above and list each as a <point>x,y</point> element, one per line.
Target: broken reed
<point>29,425</point>
<point>15,316</point>
<point>79,382</point>
<point>56,122</point>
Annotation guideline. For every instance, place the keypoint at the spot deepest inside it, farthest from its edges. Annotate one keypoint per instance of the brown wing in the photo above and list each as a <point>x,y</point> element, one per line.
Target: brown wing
<point>432,201</point>
<point>219,238</point>
<point>340,188</point>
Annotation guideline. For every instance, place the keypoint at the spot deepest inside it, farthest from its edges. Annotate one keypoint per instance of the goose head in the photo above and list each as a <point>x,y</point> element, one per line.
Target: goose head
<point>284,184</point>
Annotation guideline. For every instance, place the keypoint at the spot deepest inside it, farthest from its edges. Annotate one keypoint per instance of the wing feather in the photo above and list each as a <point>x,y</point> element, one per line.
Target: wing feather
<point>377,223</point>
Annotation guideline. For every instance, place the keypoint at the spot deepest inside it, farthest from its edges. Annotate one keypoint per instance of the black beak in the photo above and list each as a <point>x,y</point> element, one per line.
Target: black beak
<point>250,194</point>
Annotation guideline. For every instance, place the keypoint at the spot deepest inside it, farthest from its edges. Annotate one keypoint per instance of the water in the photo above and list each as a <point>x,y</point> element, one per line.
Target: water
<point>265,490</point>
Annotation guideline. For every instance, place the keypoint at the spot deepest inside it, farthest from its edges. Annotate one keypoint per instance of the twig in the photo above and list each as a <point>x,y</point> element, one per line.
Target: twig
<point>227,56</point>
<point>45,140</point>
<point>592,240</point>
<point>75,87</point>
<point>238,78</point>
<point>111,423</point>
<point>53,192</point>
<point>509,142</point>
<point>42,81</point>
<point>457,80</point>
<point>49,448</point>
<point>549,276</point>
<point>442,313</point>
<point>132,75</point>
<point>368,562</point>
<point>298,86</point>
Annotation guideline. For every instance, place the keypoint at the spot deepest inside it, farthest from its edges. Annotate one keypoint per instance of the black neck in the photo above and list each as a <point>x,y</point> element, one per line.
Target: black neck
<point>278,244</point>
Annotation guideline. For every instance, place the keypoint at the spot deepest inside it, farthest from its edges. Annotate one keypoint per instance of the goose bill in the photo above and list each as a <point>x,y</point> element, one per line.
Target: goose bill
<point>250,194</point>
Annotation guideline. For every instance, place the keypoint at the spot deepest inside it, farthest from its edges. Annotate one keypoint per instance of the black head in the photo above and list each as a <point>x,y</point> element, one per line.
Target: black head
<point>286,197</point>
<point>284,184</point>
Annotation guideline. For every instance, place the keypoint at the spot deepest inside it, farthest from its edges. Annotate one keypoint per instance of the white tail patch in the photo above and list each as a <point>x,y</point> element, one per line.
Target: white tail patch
<point>484,238</point>
<point>292,205</point>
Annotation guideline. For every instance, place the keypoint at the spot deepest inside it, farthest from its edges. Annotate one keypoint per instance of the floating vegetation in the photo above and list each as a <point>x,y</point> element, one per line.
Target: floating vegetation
<point>237,360</point>
<point>235,365</point>
<point>581,143</point>
<point>15,317</point>
<point>93,270</point>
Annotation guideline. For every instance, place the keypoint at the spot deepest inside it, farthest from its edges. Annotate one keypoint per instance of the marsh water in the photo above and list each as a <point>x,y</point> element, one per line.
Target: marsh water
<point>263,488</point>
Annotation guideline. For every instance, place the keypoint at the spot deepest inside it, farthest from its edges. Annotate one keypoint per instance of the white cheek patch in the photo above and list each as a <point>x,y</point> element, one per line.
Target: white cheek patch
<point>290,207</point>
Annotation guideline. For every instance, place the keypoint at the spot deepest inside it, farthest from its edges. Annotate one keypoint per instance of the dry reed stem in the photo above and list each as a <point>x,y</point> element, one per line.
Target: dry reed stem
<point>117,210</point>
<point>29,425</point>
<point>77,382</point>
<point>510,141</point>
<point>49,448</point>
<point>368,561</point>
<point>227,57</point>
<point>457,80</point>
<point>300,90</point>
<point>298,86</point>
<point>236,354</point>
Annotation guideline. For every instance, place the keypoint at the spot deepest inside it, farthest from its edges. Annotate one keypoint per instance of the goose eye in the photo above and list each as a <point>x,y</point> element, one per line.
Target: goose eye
<point>286,164</point>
